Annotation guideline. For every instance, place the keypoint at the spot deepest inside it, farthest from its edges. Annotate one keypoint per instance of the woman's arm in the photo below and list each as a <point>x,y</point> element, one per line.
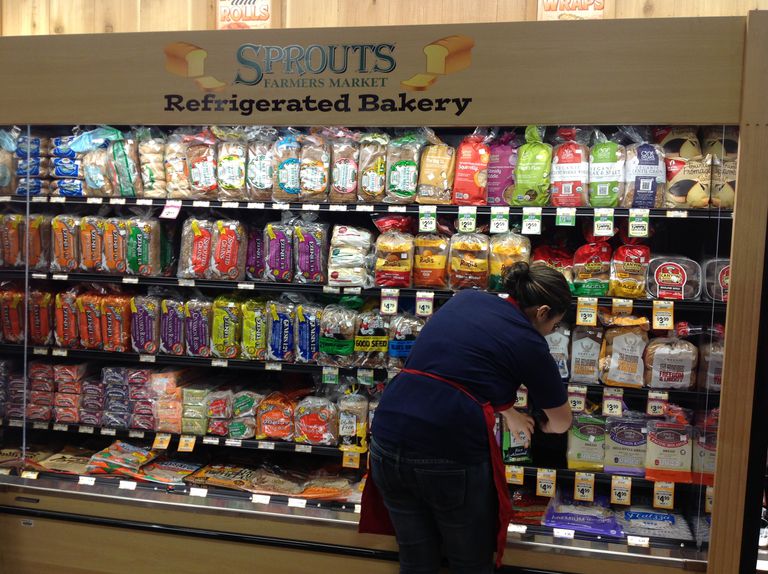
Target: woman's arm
<point>559,419</point>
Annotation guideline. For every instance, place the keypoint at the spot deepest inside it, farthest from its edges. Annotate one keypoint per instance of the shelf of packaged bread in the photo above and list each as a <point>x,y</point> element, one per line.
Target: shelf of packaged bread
<point>412,208</point>
<point>172,442</point>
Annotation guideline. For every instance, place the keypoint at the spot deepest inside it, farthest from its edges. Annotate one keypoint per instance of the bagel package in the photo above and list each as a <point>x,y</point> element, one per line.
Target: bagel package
<point>570,168</point>
<point>469,261</point>
<point>670,363</point>
<point>720,141</point>
<point>394,259</point>
<point>506,249</point>
<point>471,178</point>
<point>371,186</point>
<point>591,269</point>
<point>532,173</point>
<point>673,277</point>
<point>254,255</point>
<point>622,353</point>
<point>430,263</point>
<point>628,270</point>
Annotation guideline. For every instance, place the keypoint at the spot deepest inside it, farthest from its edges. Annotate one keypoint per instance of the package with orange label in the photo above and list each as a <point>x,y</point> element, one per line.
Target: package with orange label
<point>274,418</point>
<point>436,172</point>
<point>473,154</point>
<point>116,323</point>
<point>66,250</point>
<point>469,261</point>
<point>12,227</point>
<point>12,315</point>
<point>40,317</point>
<point>317,421</point>
<point>89,320</point>
<point>39,242</point>
<point>67,333</point>
<point>506,249</point>
<point>668,454</point>
<point>114,241</point>
<point>570,168</point>
<point>623,350</point>
<point>430,265</point>
<point>228,251</point>
<point>91,242</point>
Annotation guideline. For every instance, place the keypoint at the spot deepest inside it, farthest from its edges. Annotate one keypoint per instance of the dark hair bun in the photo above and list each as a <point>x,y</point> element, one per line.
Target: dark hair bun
<point>519,272</point>
<point>536,285</point>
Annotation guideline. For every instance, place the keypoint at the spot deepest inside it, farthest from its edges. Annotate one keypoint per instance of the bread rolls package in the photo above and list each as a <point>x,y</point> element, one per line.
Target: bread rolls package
<point>430,263</point>
<point>337,336</point>
<point>116,321</point>
<point>317,422</point>
<point>254,254</point>
<point>345,154</point>
<point>67,169</point>
<point>570,168</point>
<point>348,257</point>
<point>114,239</point>
<point>65,243</point>
<point>197,327</point>
<point>606,172</point>
<point>196,248</point>
<point>12,240</point>
<point>96,172</point>
<point>310,251</point>
<point>228,251</point>
<point>200,151</point>
<point>152,162</point>
<point>145,324</point>
<point>254,341</point>
<point>278,252</point>
<point>177,183</point>
<point>622,353</point>
<point>506,249</point>
<point>32,186</point>
<point>501,169</point>
<point>307,332</point>
<point>711,357</point>
<point>275,418</point>
<point>720,141</point>
<point>33,167</point>
<point>532,172</point>
<point>91,239</point>
<point>69,188</point>
<point>436,173</point>
<point>723,189</point>
<point>89,320</point>
<point>394,260</point>
<point>670,363</point>
<point>678,141</point>
<point>371,186</point>
<point>353,423</point>
<point>231,167</point>
<point>689,182</point>
<point>123,167</point>
<point>314,168</point>
<point>585,354</point>
<point>628,269</point>
<point>469,261</point>
<point>66,333</point>
<point>142,247</point>
<point>226,327</point>
<point>259,171</point>
<point>403,330</point>
<point>717,279</point>
<point>33,145</point>
<point>673,277</point>
<point>285,168</point>
<point>172,326</point>
<point>12,315</point>
<point>403,155</point>
<point>371,340</point>
<point>591,269</point>
<point>41,317</point>
<point>280,335</point>
<point>646,176</point>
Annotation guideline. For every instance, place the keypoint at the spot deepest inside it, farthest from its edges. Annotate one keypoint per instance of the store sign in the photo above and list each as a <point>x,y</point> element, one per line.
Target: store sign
<point>243,14</point>
<point>571,9</point>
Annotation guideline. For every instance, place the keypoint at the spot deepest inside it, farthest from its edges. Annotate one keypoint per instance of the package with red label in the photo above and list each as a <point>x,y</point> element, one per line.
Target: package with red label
<point>591,269</point>
<point>67,332</point>
<point>12,315</point>
<point>274,417</point>
<point>89,320</point>
<point>200,151</point>
<point>668,454</point>
<point>570,168</point>
<point>228,250</point>
<point>472,169</point>
<point>41,398</point>
<point>116,323</point>
<point>40,317</point>
<point>66,400</point>
<point>502,160</point>
<point>218,404</point>
<point>196,248</point>
<point>628,269</point>
<point>555,257</point>
<point>673,277</point>
<point>394,259</point>
<point>69,372</point>
<point>66,415</point>
<point>39,412</point>
<point>317,422</point>
<point>717,279</point>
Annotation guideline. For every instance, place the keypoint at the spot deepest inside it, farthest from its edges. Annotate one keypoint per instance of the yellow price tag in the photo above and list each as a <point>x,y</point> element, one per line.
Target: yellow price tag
<point>514,474</point>
<point>664,495</point>
<point>621,490</point>
<point>351,460</point>
<point>613,402</point>
<point>663,315</point>
<point>521,400</point>
<point>187,443</point>
<point>621,306</point>
<point>709,500</point>
<point>584,487</point>
<point>545,482</point>
<point>586,311</point>
<point>657,402</point>
<point>577,398</point>
<point>161,442</point>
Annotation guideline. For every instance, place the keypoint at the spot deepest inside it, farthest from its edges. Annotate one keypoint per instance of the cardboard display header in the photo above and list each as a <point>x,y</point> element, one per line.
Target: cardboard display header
<point>632,71</point>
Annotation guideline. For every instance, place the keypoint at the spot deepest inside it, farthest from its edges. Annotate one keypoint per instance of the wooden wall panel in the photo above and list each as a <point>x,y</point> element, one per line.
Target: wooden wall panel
<point>458,11</point>
<point>363,12</point>
<point>311,13</point>
<point>116,16</point>
<point>515,10</point>
<point>403,12</point>
<point>72,16</point>
<point>25,17</point>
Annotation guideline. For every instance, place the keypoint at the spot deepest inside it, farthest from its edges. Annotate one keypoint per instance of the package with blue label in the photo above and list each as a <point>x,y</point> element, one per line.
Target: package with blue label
<point>307,332</point>
<point>647,521</point>
<point>280,337</point>
<point>403,330</point>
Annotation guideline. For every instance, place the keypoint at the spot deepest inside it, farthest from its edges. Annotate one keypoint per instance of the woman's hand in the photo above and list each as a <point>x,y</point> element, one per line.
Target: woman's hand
<point>519,425</point>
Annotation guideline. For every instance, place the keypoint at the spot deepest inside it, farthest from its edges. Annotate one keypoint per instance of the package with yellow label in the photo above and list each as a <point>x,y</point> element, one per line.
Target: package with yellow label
<point>469,261</point>
<point>394,259</point>
<point>430,264</point>
<point>371,340</point>
<point>254,331</point>
<point>438,163</point>
<point>226,327</point>
<point>628,268</point>
<point>506,249</point>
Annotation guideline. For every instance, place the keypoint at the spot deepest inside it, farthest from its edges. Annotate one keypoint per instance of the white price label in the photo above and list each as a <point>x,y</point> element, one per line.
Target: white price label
<point>211,440</point>
<point>39,350</point>
<point>171,209</point>
<point>136,434</point>
<point>358,508</point>
<point>85,429</point>
<point>563,533</point>
<point>517,528</point>
<point>330,375</point>
<point>365,377</point>
<point>224,363</point>
<point>577,398</point>
<point>270,366</point>
<point>127,485</point>
<point>186,282</point>
<point>297,502</point>
<point>5,471</point>
<point>514,474</point>
<point>108,432</point>
<point>467,218</point>
<point>427,218</point>
<point>86,480</point>
<point>16,423</point>
<point>230,204</point>
<point>305,448</point>
<point>144,358</point>
<point>531,221</point>
<point>584,487</point>
<point>613,402</point>
<point>95,200</point>
<point>368,208</point>
<point>58,199</point>
<point>255,205</point>
<point>260,499</point>
<point>664,495</point>
<point>143,202</point>
<point>621,490</point>
<point>521,398</point>
<point>197,491</point>
<point>201,203</point>
<point>586,311</point>
<point>663,315</point>
<point>40,426</point>
<point>30,474</point>
<point>60,427</point>
<point>396,209</point>
<point>310,207</point>
<point>425,301</point>
<point>117,201</point>
<point>638,225</point>
<point>131,280</point>
<point>389,300</point>
<point>545,482</point>
<point>639,541</point>
<point>499,219</point>
<point>59,276</point>
<point>353,290</point>
<point>39,276</point>
<point>565,216</point>
<point>281,206</point>
<point>331,290</point>
<point>677,213</point>
<point>39,199</point>
<point>657,403</point>
<point>603,223</point>
<point>246,286</point>
<point>235,442</point>
<point>337,207</point>
<point>266,445</point>
<point>59,352</point>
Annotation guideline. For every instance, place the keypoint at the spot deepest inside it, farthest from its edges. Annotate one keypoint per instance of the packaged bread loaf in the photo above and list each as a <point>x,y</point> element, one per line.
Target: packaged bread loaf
<point>345,154</point>
<point>723,189</point>
<point>570,168</point>
<point>403,155</point>
<point>172,326</point>
<point>591,269</point>
<point>65,243</point>
<point>559,346</point>
<point>506,249</point>
<point>469,261</point>
<point>310,250</point>
<point>586,443</point>
<point>259,171</point>
<point>123,166</point>
<point>196,248</point>
<point>532,172</point>
<point>228,251</point>
<point>307,332</point>
<point>348,257</point>
<point>472,155</point>
<point>670,363</point>
<point>142,246</point>
<point>689,182</point>
<point>97,181</point>
<point>232,151</point>
<point>337,336</point>
<point>91,240</point>
<point>585,354</point>
<point>33,145</point>
<point>371,340</point>
<point>145,324</point>
<point>32,186</point>
<point>280,337</point>
<point>200,151</point>
<point>317,422</point>
<point>116,321</point>
<point>285,167</point>
<point>68,188</point>
<point>39,256</point>
<point>621,356</point>
<point>436,172</point>
<point>12,315</point>
<point>64,168</point>
<point>501,169</point>
<point>278,251</point>
<point>430,263</point>
<point>314,168</point>
<point>89,320</point>
<point>371,186</point>
<point>628,270</point>
<point>646,173</point>
<point>33,167</point>
<point>711,357</point>
<point>353,422</point>
<point>606,172</point>
<point>720,141</point>
<point>41,317</point>
<point>254,255</point>
<point>12,231</point>
<point>394,259</point>
<point>226,327</point>
<point>66,332</point>
<point>668,454</point>
<point>176,169</point>
<point>625,445</point>
<point>151,161</point>
<point>114,239</point>
<point>678,141</point>
<point>673,277</point>
<point>197,327</point>
<point>274,417</point>
<point>254,342</point>
<point>404,328</point>
<point>717,279</point>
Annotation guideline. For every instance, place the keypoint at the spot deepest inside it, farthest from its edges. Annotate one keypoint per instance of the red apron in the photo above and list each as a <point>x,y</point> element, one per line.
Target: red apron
<point>374,517</point>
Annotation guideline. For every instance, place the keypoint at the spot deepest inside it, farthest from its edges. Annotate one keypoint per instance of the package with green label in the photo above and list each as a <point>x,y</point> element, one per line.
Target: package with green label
<point>254,330</point>
<point>337,336</point>
<point>403,155</point>
<point>226,327</point>
<point>513,449</point>
<point>232,149</point>
<point>586,443</point>
<point>534,162</point>
<point>371,339</point>
<point>606,172</point>
<point>143,246</point>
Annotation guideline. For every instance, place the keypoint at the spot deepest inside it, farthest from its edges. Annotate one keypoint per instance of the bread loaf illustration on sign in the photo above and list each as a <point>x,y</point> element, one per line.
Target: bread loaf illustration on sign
<point>444,56</point>
<point>188,61</point>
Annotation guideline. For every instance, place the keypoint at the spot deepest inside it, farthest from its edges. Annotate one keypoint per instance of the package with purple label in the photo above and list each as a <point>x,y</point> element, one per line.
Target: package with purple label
<point>115,420</point>
<point>254,258</point>
<point>92,387</point>
<point>625,444</point>
<point>501,169</point>
<point>172,326</point>
<point>145,324</point>
<point>117,405</point>
<point>310,250</point>
<point>593,517</point>
<point>278,251</point>
<point>142,407</point>
<point>92,403</point>
<point>113,375</point>
<point>197,327</point>
<point>119,392</point>
<point>142,421</point>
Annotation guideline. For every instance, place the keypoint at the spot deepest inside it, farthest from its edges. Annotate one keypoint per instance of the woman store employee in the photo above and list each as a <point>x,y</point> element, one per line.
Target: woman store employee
<point>435,462</point>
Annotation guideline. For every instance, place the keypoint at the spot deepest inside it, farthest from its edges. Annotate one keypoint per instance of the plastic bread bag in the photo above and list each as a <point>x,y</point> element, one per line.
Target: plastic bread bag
<point>307,332</point>
<point>67,333</point>
<point>623,350</point>
<point>506,249</point>
<point>532,173</point>
<point>394,260</point>
<point>668,455</point>
<point>570,167</point>
<point>116,321</point>
<point>97,181</point>
<point>403,330</point>
<point>317,422</point>
<point>218,404</point>
<point>314,168</point>
<point>145,324</point>
<point>8,144</point>
<point>501,169</point>
<point>12,239</point>
<point>196,248</point>
<point>285,167</point>
<point>12,315</point>
<point>114,240</point>
<point>337,336</point>
<point>673,277</point>
<point>228,250</point>
<point>606,172</point>
<point>232,151</point>
<point>226,329</point>
<point>123,166</point>
<point>254,342</point>
<point>403,155</point>
<point>670,363</point>
<point>711,357</point>
<point>625,444</point>
<point>33,167</point>
<point>89,320</point>
<point>586,443</point>
<point>68,188</point>
<point>628,269</point>
<point>242,428</point>
<point>197,327</point>
<point>473,155</point>
<point>723,189</point>
<point>152,162</point>
<point>310,250</point>
<point>436,172</point>
<point>259,170</point>
<point>200,151</point>
<point>353,422</point>
<point>592,517</point>
<point>278,250</point>
<point>689,182</point>
<point>559,346</point>
<point>32,186</point>
<point>469,261</point>
<point>430,264</point>
<point>91,240</point>
<point>41,317</point>
<point>646,173</point>
<point>142,248</point>
<point>721,142</point>
<point>717,279</point>
<point>254,256</point>
<point>280,335</point>
<point>177,182</point>
<point>34,145</point>
<point>373,167</point>
<point>354,237</point>
<point>245,403</point>
<point>274,417</point>
<point>678,141</point>
<point>371,339</point>
<point>65,243</point>
<point>348,260</point>
<point>585,354</point>
<point>591,269</point>
<point>345,156</point>
<point>69,169</point>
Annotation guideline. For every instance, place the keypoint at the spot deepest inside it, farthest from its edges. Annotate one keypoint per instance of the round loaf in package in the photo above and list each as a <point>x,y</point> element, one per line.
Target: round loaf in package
<point>670,363</point>
<point>673,277</point>
<point>717,279</point>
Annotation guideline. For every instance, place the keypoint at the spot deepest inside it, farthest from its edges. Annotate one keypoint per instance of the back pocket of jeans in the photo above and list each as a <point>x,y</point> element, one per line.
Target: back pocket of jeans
<point>442,489</point>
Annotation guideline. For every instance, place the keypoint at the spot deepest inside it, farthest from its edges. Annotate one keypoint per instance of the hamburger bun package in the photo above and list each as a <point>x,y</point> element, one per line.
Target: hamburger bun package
<point>532,173</point>
<point>570,168</point>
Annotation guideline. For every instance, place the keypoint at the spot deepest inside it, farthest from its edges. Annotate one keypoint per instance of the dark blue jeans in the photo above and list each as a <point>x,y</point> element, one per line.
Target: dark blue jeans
<point>438,507</point>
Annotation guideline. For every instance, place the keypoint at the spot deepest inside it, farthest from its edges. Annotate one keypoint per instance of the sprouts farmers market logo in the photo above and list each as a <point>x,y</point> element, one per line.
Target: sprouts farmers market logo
<point>314,67</point>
